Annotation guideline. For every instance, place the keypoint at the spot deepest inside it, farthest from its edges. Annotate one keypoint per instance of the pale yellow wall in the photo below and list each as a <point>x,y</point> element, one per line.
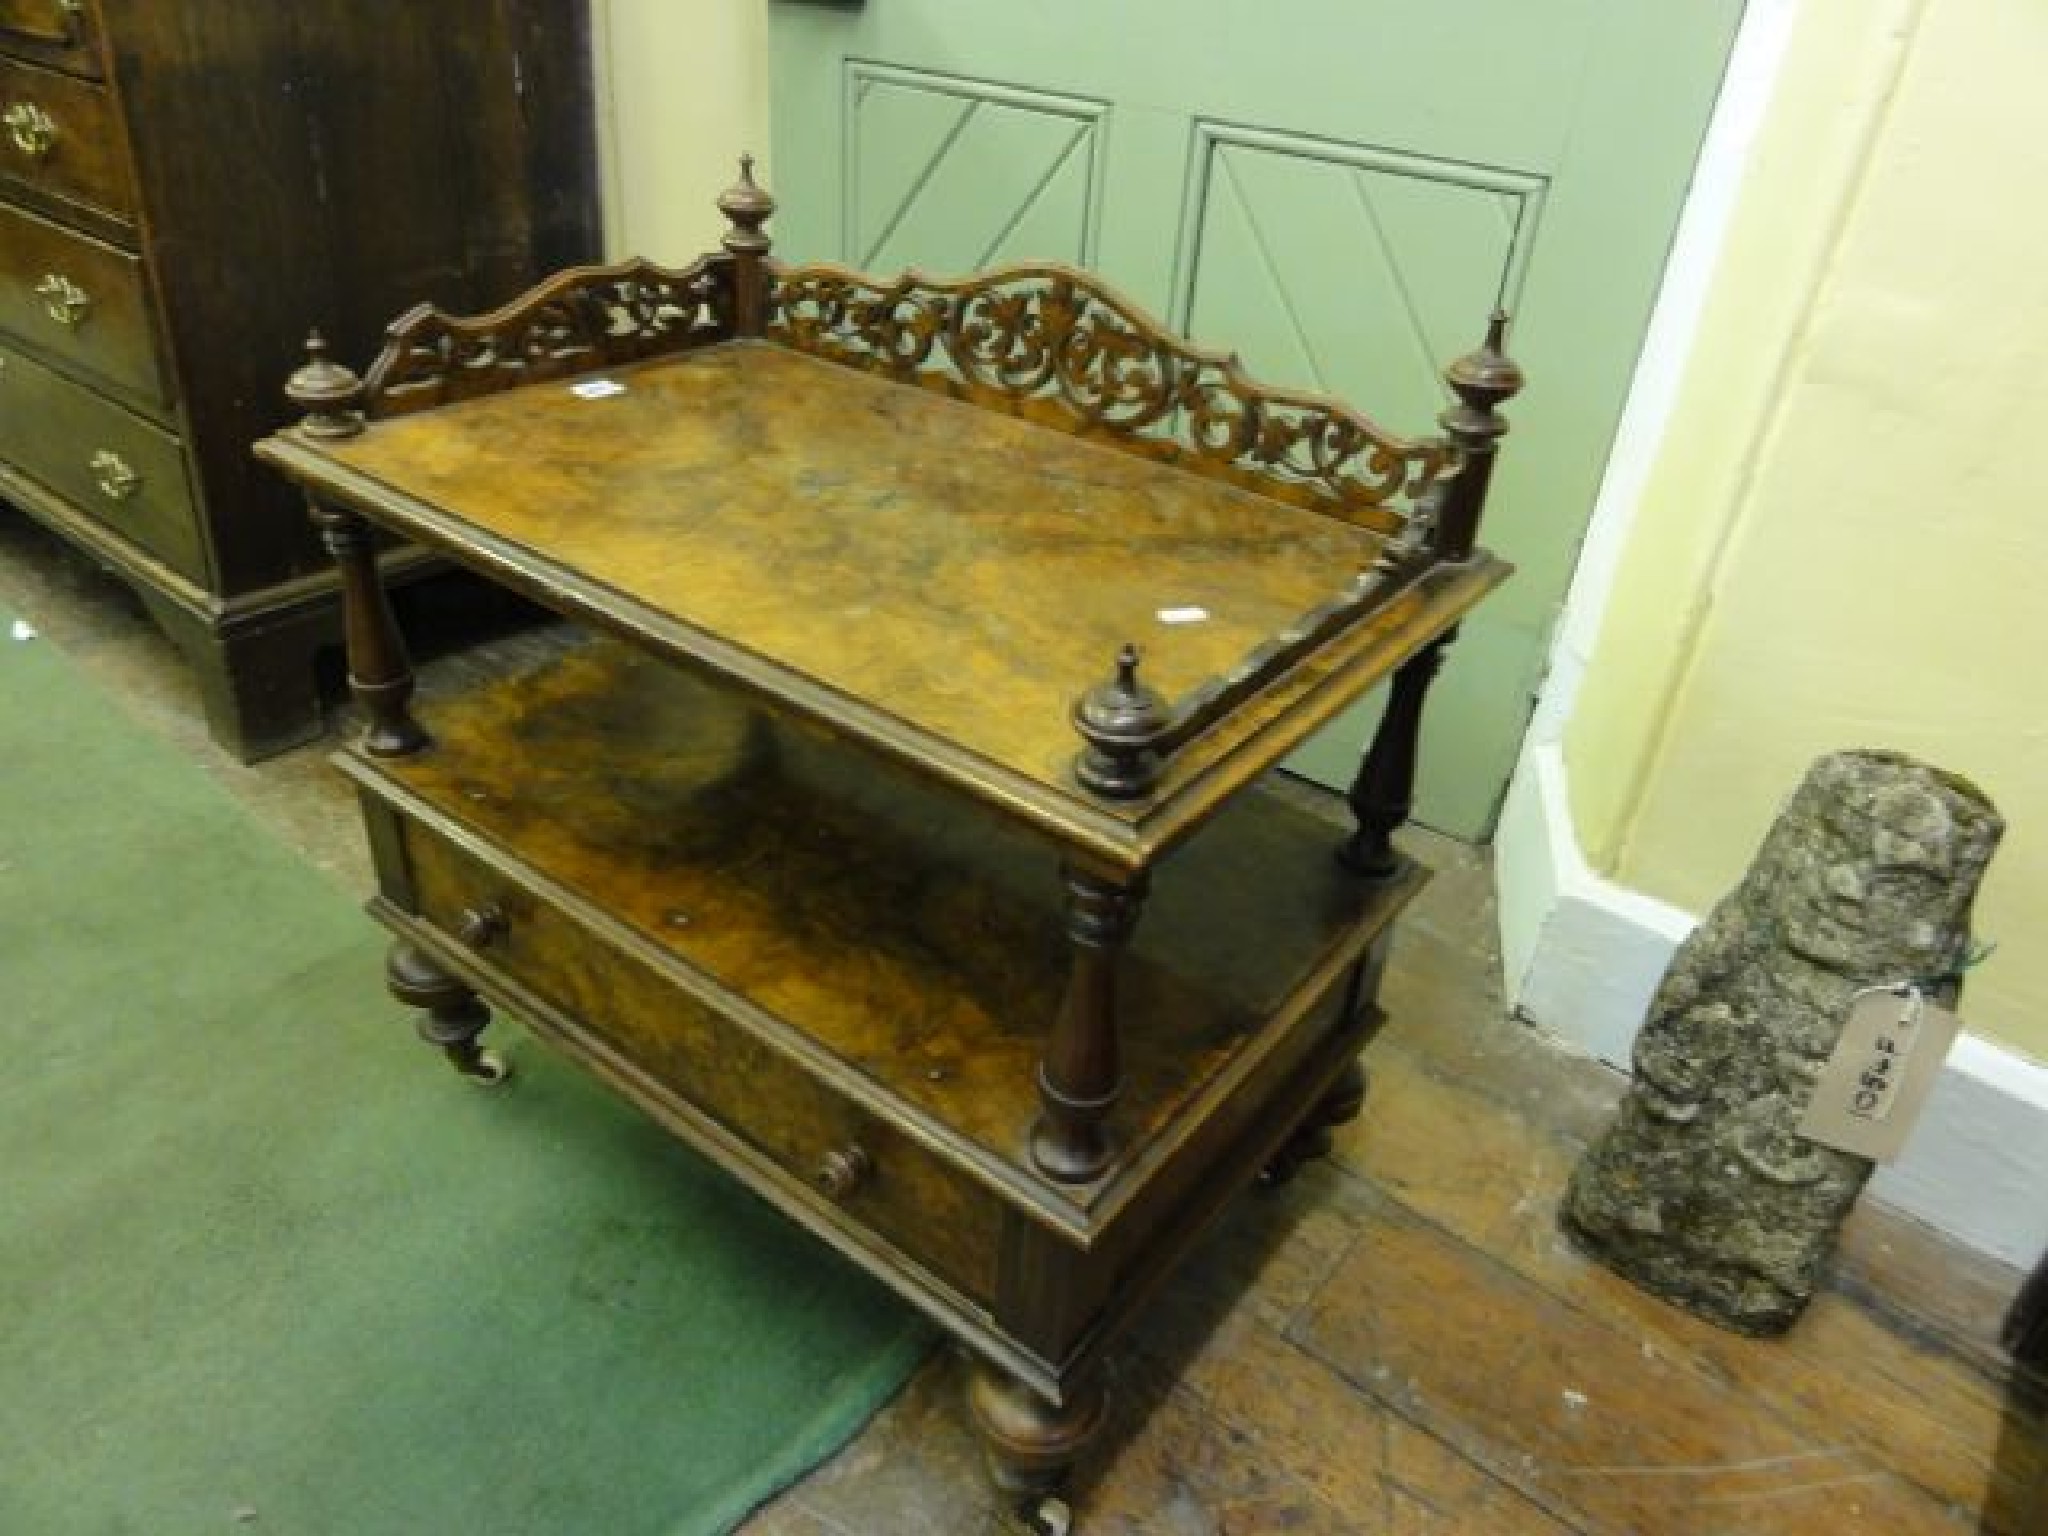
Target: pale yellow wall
<point>683,90</point>
<point>1844,539</point>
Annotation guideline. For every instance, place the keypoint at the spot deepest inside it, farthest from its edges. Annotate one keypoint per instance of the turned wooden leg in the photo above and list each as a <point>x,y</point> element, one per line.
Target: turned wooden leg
<point>379,672</point>
<point>1081,1075</point>
<point>1384,791</point>
<point>1342,1103</point>
<point>1344,1100</point>
<point>1029,1443</point>
<point>452,1015</point>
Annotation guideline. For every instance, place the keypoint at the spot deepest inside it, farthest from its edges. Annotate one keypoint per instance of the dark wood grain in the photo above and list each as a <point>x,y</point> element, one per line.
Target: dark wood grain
<point>375,145</point>
<point>227,176</point>
<point>111,333</point>
<point>82,170</point>
<point>63,34</point>
<point>58,430</point>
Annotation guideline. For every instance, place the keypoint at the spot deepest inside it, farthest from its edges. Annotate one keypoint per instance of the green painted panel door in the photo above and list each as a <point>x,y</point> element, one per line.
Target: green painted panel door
<point>1340,190</point>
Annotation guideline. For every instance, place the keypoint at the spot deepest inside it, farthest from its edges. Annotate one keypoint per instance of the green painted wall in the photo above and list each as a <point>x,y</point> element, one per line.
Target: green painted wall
<point>1338,190</point>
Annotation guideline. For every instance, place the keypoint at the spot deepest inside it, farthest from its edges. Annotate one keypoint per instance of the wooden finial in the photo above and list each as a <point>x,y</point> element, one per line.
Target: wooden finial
<point>1487,377</point>
<point>1483,381</point>
<point>747,206</point>
<point>1122,721</point>
<point>330,394</point>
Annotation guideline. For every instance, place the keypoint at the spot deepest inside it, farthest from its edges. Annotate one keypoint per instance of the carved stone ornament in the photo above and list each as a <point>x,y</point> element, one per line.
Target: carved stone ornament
<point>1702,1191</point>
<point>583,319</point>
<point>1096,362</point>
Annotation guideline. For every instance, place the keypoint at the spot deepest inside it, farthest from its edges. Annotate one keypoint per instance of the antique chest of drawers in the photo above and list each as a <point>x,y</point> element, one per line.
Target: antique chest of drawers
<point>860,845</point>
<point>182,188</point>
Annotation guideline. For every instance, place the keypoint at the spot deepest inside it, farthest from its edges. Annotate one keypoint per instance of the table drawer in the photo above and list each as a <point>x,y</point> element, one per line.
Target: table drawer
<point>80,302</point>
<point>64,34</point>
<point>893,1187</point>
<point>121,470</point>
<point>59,138</point>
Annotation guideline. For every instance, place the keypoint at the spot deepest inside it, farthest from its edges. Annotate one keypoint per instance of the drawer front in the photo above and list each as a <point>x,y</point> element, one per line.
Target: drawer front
<point>79,301</point>
<point>63,34</point>
<point>123,471</point>
<point>872,1176</point>
<point>59,138</point>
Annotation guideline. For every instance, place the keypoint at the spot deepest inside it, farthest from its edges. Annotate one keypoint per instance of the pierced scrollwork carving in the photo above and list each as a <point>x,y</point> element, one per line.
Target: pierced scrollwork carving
<point>582,319</point>
<point>1056,344</point>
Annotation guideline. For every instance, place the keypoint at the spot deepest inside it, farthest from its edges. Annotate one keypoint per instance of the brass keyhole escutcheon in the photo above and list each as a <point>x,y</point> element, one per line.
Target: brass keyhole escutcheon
<point>117,482</point>
<point>63,300</point>
<point>30,129</point>
<point>844,1170</point>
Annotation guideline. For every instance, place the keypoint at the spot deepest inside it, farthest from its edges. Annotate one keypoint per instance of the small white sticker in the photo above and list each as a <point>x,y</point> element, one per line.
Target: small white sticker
<point>597,389</point>
<point>23,630</point>
<point>1183,615</point>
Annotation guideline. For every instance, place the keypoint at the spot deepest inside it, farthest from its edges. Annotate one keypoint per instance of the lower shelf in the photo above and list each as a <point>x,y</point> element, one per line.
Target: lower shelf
<point>837,981</point>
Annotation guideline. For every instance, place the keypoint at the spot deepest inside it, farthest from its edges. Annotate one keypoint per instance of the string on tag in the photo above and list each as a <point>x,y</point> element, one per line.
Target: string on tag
<point>1974,955</point>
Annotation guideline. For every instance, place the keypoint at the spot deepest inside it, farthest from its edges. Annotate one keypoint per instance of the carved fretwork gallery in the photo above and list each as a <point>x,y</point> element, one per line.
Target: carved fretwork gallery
<point>894,823</point>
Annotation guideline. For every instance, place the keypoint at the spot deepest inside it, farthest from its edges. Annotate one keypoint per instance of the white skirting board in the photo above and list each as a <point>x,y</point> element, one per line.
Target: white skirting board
<point>1582,955</point>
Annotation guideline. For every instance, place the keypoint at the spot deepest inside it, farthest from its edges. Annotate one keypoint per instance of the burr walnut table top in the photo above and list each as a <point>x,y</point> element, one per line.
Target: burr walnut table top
<point>932,577</point>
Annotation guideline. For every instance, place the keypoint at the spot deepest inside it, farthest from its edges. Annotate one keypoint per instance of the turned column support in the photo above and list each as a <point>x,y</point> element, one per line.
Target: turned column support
<point>379,671</point>
<point>1383,793</point>
<point>1082,1072</point>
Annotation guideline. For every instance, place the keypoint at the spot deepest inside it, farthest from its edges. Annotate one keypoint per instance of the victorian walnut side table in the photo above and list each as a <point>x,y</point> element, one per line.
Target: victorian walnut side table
<point>900,836</point>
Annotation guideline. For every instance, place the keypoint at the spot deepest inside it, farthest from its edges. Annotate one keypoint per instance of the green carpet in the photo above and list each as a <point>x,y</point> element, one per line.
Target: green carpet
<point>267,1265</point>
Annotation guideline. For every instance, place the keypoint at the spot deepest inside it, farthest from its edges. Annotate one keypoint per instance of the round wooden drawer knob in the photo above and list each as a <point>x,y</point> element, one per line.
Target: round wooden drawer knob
<point>482,926</point>
<point>844,1171</point>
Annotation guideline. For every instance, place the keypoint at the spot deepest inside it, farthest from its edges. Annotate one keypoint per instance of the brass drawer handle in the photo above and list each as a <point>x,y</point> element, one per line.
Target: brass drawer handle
<point>117,482</point>
<point>32,130</point>
<point>481,927</point>
<point>63,300</point>
<point>844,1171</point>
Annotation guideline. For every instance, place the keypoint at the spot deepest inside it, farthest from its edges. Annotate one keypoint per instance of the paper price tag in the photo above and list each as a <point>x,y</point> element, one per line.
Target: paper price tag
<point>1873,1085</point>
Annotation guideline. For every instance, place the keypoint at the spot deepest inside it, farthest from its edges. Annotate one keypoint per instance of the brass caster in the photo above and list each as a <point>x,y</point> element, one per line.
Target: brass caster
<point>1045,1515</point>
<point>1300,1149</point>
<point>487,1070</point>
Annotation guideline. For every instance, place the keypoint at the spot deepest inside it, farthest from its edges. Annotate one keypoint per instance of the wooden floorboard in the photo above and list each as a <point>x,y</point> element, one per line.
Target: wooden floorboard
<point>1400,1341</point>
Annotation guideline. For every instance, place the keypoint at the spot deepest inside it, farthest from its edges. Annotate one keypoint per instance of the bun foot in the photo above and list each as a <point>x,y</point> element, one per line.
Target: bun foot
<point>1030,1444</point>
<point>1342,1103</point>
<point>451,1015</point>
